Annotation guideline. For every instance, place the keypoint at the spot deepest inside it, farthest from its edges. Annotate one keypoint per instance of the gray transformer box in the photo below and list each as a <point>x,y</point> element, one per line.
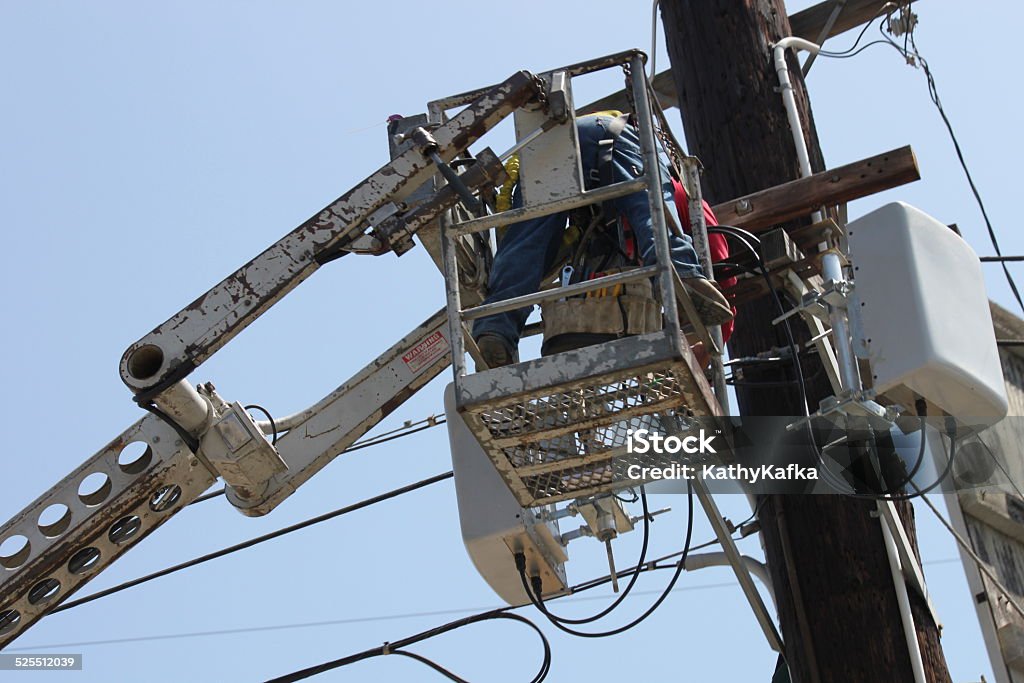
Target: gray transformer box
<point>494,525</point>
<point>920,315</point>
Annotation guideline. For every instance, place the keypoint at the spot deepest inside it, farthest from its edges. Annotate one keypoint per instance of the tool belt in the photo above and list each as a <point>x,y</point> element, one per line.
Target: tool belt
<point>604,247</point>
<point>604,315</point>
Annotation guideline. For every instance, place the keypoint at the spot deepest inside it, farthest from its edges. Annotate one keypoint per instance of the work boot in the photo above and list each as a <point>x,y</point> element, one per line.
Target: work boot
<point>496,351</point>
<point>712,306</point>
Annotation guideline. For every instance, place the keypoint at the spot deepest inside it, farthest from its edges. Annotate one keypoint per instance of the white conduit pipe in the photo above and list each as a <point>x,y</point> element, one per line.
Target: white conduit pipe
<point>720,559</point>
<point>789,101</point>
<point>909,630</point>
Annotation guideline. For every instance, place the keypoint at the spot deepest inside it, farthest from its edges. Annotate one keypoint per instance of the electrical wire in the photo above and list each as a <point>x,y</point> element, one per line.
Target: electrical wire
<point>257,540</point>
<point>273,425</point>
<point>384,439</point>
<point>950,459</point>
<point>397,648</point>
<point>922,411</point>
<point>982,566</point>
<point>404,430</point>
<point>886,10</point>
<point>535,593</point>
<point>741,236</point>
<point>650,566</point>
<point>632,579</point>
<point>635,496</point>
<point>186,438</point>
<point>934,95</point>
<point>912,55</point>
<point>209,496</point>
<point>504,612</point>
<point>746,238</point>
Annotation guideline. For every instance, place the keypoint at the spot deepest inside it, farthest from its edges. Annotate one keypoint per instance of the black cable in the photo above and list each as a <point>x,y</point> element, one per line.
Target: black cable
<point>738,233</point>
<point>189,440</point>
<point>782,384</point>
<point>933,93</point>
<point>860,36</point>
<point>397,648</point>
<point>385,439</point>
<point>257,540</point>
<point>208,496</point>
<point>653,564</point>
<point>913,57</point>
<point>922,412</point>
<point>839,55</point>
<point>746,238</point>
<point>273,425</point>
<point>634,499</point>
<point>918,492</point>
<point>536,598</point>
<point>314,624</point>
<point>432,664</point>
<point>632,579</point>
<point>894,490</point>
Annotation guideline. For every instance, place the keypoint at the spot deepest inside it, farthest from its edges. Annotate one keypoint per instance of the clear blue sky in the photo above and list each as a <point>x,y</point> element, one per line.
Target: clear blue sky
<point>148,149</point>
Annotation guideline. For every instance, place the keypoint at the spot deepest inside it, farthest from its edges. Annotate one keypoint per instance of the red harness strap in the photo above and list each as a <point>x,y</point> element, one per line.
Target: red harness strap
<point>716,242</point>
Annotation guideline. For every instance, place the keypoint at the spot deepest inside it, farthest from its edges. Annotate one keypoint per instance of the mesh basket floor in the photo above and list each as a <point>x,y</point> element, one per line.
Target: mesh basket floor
<point>571,440</point>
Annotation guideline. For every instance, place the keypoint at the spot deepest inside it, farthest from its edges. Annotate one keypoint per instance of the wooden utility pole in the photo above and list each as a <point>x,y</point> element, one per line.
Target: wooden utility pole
<point>837,603</point>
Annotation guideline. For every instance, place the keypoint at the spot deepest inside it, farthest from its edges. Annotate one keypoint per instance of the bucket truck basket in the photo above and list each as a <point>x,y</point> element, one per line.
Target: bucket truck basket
<point>557,427</point>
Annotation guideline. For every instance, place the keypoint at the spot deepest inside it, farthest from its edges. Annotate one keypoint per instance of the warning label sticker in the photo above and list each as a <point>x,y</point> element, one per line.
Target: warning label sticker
<point>426,352</point>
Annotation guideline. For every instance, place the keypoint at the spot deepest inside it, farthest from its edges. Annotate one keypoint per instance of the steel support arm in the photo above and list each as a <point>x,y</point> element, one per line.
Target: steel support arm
<point>147,474</point>
<point>116,498</point>
<point>171,351</point>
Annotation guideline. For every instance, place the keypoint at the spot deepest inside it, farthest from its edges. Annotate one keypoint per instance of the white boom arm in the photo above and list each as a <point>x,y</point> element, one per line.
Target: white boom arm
<point>193,437</point>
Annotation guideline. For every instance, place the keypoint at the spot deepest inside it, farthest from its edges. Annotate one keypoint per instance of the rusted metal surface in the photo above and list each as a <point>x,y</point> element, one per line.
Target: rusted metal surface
<point>555,427</point>
<point>578,69</point>
<point>98,521</point>
<point>487,171</point>
<point>200,329</point>
<point>553,157</point>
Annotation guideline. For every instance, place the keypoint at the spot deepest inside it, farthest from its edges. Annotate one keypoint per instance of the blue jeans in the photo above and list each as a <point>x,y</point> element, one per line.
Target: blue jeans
<point>528,249</point>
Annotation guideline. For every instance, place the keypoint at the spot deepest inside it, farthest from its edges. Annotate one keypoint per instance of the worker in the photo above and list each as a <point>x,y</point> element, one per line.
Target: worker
<point>528,249</point>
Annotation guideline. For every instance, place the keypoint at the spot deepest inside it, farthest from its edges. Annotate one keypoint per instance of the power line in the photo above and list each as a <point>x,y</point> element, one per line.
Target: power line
<point>342,622</point>
<point>257,540</point>
<point>386,617</point>
<point>982,567</point>
<point>535,592</point>
<point>912,55</point>
<point>396,648</point>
